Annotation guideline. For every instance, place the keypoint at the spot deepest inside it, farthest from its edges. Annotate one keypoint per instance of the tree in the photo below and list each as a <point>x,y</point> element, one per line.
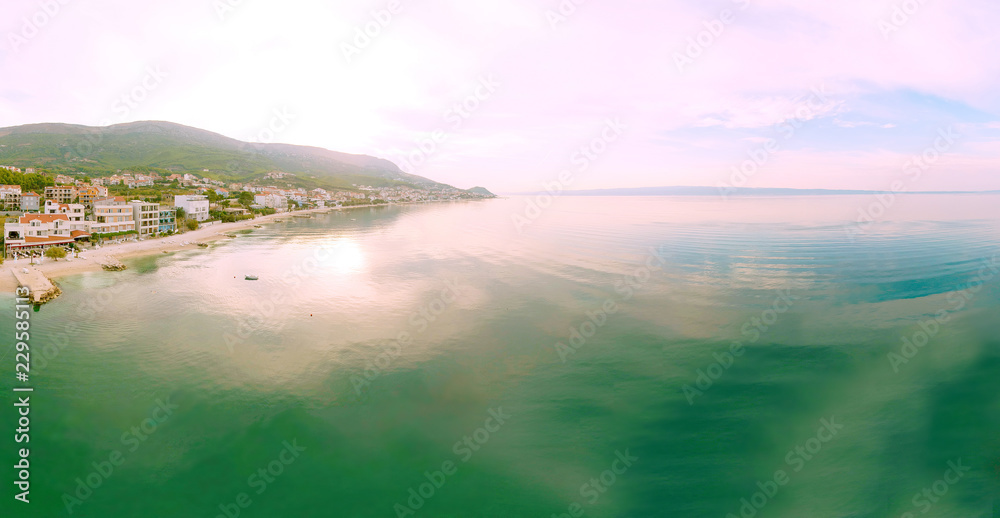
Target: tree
<point>56,253</point>
<point>246,198</point>
<point>192,224</point>
<point>180,214</point>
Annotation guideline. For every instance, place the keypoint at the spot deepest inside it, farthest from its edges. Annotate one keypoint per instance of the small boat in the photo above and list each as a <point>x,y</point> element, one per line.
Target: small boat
<point>251,277</point>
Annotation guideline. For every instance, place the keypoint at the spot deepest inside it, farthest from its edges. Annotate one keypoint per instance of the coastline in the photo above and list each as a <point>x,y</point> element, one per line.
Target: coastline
<point>94,258</point>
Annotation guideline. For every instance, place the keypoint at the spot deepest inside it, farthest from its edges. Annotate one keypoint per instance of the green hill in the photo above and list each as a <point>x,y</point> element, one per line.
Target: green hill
<point>169,147</point>
<point>482,191</point>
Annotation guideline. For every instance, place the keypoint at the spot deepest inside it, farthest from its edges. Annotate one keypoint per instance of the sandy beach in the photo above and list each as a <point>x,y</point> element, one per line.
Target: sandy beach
<point>92,259</point>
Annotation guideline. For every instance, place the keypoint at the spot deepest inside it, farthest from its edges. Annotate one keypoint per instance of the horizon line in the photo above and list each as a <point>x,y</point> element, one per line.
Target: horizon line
<point>701,190</point>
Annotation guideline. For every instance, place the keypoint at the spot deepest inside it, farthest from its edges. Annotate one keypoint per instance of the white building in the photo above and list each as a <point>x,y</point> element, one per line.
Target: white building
<point>40,231</point>
<point>271,201</point>
<point>195,205</point>
<point>73,211</point>
<point>10,197</point>
<point>139,181</point>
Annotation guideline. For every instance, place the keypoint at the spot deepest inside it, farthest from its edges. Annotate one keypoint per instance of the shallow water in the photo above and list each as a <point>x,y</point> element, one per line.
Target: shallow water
<point>706,341</point>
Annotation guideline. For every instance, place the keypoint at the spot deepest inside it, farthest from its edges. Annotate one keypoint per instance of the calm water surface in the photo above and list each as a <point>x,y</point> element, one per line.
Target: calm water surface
<point>397,344</point>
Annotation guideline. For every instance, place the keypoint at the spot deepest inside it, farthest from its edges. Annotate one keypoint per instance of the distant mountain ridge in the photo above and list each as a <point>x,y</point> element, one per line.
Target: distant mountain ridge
<point>175,147</point>
<point>481,190</point>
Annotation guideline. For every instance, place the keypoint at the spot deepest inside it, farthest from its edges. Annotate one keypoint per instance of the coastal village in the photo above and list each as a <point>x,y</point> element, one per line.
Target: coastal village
<point>94,221</point>
<point>78,210</point>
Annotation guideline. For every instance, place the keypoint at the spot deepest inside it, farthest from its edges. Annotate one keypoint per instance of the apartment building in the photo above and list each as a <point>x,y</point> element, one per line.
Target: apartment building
<point>271,201</point>
<point>112,215</point>
<point>10,197</point>
<point>168,220</point>
<point>195,206</point>
<point>88,193</point>
<point>146,216</point>
<point>73,211</point>
<point>60,193</point>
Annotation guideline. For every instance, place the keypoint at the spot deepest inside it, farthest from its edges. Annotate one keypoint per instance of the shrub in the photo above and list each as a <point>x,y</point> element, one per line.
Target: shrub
<point>55,253</point>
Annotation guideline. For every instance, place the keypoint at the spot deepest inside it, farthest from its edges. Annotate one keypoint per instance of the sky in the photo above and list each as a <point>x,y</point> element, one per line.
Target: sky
<point>520,95</point>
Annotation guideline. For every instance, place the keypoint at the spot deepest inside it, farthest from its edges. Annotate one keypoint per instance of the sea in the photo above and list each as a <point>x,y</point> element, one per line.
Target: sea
<point>529,356</point>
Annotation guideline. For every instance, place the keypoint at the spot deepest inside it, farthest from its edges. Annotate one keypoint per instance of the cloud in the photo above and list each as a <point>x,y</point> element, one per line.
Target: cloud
<point>557,83</point>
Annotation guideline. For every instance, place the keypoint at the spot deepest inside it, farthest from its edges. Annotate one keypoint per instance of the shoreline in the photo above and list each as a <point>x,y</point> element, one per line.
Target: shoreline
<point>94,258</point>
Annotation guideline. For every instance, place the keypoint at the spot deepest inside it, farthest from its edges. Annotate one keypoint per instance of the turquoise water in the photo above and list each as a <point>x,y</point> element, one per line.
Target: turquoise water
<point>618,357</point>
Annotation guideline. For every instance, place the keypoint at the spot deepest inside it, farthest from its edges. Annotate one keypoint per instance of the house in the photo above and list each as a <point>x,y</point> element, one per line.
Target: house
<point>10,197</point>
<point>38,232</point>
<point>222,192</point>
<point>30,201</point>
<point>73,211</point>
<point>63,179</point>
<point>195,206</point>
<point>88,193</point>
<point>61,193</point>
<point>139,181</point>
